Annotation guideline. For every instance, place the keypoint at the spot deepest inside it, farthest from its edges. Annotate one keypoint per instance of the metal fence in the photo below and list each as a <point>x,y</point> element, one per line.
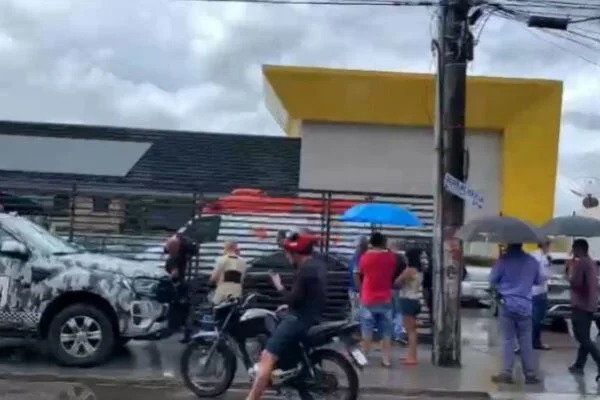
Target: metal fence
<point>135,226</point>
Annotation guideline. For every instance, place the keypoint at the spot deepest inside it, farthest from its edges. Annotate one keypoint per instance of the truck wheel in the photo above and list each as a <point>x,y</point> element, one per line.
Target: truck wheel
<point>81,335</point>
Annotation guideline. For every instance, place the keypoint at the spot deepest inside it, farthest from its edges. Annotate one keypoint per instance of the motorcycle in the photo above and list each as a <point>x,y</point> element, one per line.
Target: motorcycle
<point>240,333</point>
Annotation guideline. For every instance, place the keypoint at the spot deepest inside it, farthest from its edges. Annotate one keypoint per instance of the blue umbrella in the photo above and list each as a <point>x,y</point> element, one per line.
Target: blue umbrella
<point>381,214</point>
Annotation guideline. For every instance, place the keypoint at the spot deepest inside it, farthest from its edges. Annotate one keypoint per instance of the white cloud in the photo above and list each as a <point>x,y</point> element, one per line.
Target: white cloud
<point>195,65</point>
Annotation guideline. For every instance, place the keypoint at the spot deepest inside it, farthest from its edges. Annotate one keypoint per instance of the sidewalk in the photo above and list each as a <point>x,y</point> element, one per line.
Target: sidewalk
<point>159,362</point>
<point>480,360</point>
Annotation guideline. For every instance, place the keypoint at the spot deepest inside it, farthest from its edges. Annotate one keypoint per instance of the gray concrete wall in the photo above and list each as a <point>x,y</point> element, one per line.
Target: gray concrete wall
<point>391,159</point>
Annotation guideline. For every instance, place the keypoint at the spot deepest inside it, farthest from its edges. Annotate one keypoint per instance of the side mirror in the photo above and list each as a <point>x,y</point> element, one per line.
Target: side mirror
<point>14,249</point>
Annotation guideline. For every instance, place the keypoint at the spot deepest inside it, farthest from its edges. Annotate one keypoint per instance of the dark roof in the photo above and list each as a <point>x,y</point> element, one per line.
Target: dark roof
<point>179,161</point>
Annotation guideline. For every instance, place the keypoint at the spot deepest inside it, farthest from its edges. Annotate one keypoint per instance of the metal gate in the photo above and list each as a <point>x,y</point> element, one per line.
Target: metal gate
<point>135,226</point>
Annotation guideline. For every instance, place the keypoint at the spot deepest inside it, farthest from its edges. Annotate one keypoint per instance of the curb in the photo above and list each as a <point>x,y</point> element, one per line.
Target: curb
<point>437,393</point>
<point>171,382</point>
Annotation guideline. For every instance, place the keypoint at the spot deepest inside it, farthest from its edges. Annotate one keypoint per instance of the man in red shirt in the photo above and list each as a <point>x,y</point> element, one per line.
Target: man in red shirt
<point>374,279</point>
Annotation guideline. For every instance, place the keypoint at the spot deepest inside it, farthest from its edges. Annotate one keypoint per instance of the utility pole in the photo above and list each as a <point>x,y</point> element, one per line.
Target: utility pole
<point>454,50</point>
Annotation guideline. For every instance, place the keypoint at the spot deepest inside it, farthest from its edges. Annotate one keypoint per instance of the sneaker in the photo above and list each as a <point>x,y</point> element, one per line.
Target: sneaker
<point>402,340</point>
<point>503,378</point>
<point>542,347</point>
<point>575,370</point>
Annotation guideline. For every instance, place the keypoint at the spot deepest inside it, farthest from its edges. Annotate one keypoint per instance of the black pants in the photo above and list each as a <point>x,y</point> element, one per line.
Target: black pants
<point>582,323</point>
<point>540,306</point>
<point>179,314</point>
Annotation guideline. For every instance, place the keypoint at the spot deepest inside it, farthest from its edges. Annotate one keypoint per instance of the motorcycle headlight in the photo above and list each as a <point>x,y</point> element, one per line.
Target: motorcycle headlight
<point>145,287</point>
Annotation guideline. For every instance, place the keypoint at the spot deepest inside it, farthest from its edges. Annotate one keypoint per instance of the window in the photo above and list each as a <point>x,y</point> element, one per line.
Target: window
<point>100,204</point>
<point>38,238</point>
<point>61,203</point>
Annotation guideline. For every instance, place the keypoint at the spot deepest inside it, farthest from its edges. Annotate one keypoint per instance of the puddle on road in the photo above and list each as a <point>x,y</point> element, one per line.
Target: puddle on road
<point>22,390</point>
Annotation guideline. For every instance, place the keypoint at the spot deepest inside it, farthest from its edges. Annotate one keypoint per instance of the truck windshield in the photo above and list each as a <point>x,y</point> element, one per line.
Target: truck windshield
<point>39,238</point>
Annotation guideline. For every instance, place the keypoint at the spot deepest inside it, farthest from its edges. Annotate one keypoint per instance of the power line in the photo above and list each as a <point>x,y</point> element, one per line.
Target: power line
<point>588,19</point>
<point>536,4</point>
<point>570,36</point>
<point>514,10</point>
<point>387,3</point>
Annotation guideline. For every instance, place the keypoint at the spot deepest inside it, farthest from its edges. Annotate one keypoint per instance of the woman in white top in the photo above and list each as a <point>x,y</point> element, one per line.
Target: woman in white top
<point>228,274</point>
<point>410,282</point>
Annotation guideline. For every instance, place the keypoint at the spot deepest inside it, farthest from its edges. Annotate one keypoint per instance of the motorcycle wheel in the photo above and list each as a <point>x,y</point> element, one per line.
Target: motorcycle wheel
<point>316,390</point>
<point>212,389</point>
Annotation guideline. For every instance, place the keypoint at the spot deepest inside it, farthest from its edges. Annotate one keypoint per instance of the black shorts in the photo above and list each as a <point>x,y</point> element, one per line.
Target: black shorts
<point>289,332</point>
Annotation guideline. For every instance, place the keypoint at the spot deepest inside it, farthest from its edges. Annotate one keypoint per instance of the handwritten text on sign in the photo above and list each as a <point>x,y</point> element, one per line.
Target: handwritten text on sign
<point>461,190</point>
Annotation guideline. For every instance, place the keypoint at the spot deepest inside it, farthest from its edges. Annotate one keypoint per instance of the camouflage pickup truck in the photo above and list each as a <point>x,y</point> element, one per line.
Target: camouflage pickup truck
<point>81,304</point>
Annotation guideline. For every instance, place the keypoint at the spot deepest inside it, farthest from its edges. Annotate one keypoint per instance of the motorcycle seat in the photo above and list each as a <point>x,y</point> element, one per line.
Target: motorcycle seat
<point>325,327</point>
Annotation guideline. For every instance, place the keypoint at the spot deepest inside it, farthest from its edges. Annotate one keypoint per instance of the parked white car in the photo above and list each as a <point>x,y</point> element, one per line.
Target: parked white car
<point>475,288</point>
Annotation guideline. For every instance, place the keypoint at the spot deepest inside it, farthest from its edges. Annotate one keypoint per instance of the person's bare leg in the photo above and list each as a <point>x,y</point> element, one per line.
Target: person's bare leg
<point>366,344</point>
<point>386,350</point>
<point>412,340</point>
<point>263,375</point>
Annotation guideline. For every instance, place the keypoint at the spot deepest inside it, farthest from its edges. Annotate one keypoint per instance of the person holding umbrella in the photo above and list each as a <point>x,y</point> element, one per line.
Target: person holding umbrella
<point>513,276</point>
<point>583,279</point>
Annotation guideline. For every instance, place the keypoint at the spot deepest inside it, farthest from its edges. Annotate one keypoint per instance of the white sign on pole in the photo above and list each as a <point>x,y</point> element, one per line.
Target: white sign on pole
<point>461,190</point>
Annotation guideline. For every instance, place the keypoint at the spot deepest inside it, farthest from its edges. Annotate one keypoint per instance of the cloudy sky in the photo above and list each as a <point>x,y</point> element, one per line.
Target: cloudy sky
<point>196,65</point>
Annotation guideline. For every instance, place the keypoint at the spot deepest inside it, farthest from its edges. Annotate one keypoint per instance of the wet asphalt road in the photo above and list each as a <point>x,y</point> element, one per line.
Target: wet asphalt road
<point>150,370</point>
<point>54,390</point>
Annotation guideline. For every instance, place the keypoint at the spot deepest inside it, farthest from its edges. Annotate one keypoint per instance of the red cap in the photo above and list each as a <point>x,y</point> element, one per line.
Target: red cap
<point>299,244</point>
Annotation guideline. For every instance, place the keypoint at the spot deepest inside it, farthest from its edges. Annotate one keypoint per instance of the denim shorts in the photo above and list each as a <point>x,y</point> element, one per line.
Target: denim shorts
<point>410,307</point>
<point>289,332</point>
<point>377,317</point>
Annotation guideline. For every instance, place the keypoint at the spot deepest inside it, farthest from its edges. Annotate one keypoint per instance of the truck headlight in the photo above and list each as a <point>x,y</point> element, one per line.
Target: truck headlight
<point>145,286</point>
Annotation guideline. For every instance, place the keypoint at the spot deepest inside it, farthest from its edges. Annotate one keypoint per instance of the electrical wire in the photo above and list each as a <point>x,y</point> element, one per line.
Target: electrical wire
<point>572,34</point>
<point>514,10</point>
<point>545,4</point>
<point>573,37</point>
<point>387,3</point>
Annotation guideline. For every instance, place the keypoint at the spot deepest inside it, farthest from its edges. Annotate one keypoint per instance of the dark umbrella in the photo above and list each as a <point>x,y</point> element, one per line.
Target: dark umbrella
<point>498,229</point>
<point>573,225</point>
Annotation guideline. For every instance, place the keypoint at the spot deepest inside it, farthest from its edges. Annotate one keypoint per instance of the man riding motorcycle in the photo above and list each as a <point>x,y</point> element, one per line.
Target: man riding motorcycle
<point>304,302</point>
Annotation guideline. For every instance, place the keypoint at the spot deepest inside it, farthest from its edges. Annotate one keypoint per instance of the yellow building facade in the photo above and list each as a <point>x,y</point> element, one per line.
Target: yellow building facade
<point>525,112</point>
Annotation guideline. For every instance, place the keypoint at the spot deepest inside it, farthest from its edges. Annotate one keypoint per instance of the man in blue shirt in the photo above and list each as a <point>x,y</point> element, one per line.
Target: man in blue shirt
<point>513,276</point>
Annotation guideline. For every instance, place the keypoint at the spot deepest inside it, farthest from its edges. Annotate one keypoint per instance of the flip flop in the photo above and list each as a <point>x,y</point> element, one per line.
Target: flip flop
<point>410,362</point>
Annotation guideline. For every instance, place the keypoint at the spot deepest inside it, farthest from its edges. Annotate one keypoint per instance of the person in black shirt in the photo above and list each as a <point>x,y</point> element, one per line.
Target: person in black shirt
<point>305,303</point>
<point>180,250</point>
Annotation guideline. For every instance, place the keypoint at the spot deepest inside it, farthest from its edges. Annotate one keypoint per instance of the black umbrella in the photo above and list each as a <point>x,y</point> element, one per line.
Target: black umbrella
<point>572,225</point>
<point>499,229</point>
